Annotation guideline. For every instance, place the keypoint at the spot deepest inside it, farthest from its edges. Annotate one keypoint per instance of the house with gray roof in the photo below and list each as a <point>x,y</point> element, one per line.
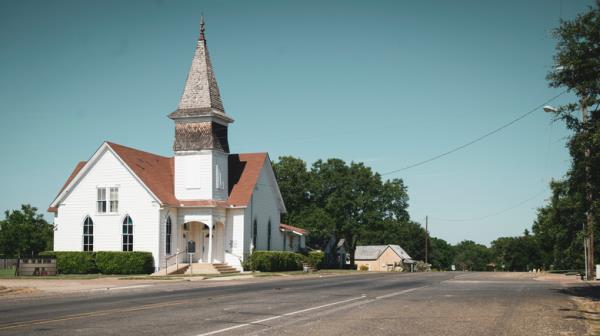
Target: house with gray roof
<point>381,258</point>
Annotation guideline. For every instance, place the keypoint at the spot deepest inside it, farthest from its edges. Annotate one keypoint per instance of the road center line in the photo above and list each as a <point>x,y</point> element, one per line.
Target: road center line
<point>91,314</point>
<point>310,309</point>
<point>280,316</point>
<point>398,293</point>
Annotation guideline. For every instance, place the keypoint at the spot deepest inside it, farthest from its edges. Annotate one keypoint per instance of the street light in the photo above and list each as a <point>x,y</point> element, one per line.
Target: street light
<point>588,242</point>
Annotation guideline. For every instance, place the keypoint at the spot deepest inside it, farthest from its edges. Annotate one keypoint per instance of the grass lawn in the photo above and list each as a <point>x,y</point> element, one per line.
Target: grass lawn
<point>11,275</point>
<point>7,272</point>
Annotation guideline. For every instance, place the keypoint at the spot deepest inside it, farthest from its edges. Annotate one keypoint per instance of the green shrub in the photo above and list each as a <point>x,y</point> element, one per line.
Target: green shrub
<point>125,262</point>
<point>316,259</point>
<point>363,268</point>
<point>73,262</point>
<point>274,261</point>
<point>247,264</point>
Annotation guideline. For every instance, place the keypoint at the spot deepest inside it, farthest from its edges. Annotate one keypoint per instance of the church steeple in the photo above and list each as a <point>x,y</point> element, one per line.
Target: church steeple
<point>201,146</point>
<point>200,119</point>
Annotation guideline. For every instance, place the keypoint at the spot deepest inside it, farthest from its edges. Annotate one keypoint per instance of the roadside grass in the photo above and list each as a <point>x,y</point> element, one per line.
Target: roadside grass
<point>7,272</point>
<point>10,274</point>
<point>589,309</point>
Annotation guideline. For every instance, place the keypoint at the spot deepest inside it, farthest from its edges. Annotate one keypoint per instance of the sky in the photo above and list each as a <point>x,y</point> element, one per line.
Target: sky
<point>387,83</point>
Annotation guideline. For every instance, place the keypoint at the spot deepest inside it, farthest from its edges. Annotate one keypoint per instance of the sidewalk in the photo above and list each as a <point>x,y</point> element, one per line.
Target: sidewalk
<point>12,287</point>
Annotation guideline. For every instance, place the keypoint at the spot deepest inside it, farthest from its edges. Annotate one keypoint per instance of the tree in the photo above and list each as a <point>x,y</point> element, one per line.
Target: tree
<point>577,69</point>
<point>350,194</point>
<point>25,232</point>
<point>441,254</point>
<point>335,200</point>
<point>516,253</point>
<point>470,256</point>
<point>558,228</point>
<point>294,182</point>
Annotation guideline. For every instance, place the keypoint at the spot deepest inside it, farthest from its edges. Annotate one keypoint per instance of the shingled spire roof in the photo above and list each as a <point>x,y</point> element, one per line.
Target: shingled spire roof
<point>201,95</point>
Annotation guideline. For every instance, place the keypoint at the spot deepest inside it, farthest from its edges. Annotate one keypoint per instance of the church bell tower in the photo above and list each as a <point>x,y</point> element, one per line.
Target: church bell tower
<point>201,146</point>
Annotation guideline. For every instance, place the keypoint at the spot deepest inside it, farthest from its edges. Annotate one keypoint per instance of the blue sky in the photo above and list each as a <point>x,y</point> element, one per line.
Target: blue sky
<point>388,83</point>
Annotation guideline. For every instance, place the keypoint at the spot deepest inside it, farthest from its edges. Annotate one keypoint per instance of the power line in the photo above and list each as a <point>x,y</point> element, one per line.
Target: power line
<point>476,139</point>
<point>494,213</point>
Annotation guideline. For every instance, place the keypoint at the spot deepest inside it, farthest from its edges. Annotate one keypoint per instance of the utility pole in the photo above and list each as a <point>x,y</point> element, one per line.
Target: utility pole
<point>426,240</point>
<point>590,198</point>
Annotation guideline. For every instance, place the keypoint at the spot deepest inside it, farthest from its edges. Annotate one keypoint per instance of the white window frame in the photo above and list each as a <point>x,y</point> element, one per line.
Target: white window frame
<point>168,236</point>
<point>129,234</point>
<point>114,201</point>
<point>220,183</point>
<point>101,200</point>
<point>90,241</point>
<point>111,206</point>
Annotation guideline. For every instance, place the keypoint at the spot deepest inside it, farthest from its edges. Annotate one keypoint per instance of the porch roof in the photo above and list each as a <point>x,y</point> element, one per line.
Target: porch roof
<point>296,230</point>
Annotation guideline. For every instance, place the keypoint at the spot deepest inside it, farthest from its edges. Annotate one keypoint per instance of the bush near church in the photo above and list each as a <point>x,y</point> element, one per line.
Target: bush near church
<point>124,262</point>
<point>275,261</point>
<point>105,262</point>
<point>73,262</point>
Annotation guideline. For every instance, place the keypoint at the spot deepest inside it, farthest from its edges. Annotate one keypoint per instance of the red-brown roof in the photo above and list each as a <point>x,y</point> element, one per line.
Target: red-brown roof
<point>287,227</point>
<point>244,171</point>
<point>156,172</point>
<point>69,179</point>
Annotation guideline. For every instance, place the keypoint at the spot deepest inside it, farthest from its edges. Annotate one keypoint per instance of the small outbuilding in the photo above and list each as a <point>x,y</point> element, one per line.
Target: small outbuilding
<point>381,258</point>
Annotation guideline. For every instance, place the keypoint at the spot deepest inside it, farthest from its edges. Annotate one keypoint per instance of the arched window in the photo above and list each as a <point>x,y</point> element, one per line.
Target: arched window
<point>88,234</point>
<point>168,236</point>
<point>127,234</point>
<point>269,235</point>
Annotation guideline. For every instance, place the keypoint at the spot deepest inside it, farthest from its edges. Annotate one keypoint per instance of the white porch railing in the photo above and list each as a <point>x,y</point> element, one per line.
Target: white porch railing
<point>176,256</point>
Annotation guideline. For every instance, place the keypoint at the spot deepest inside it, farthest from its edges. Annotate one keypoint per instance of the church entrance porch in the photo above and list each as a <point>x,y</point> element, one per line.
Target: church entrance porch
<point>204,244</point>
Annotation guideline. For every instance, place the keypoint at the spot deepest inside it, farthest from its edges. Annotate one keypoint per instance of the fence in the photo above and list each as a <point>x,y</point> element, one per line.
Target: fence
<point>7,263</point>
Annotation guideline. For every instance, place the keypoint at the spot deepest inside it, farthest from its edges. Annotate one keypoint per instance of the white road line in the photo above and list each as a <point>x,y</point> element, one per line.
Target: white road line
<point>309,309</point>
<point>398,293</point>
<point>280,316</point>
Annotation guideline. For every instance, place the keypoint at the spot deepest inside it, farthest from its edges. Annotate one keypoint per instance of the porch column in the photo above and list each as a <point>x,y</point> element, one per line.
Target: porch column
<point>210,241</point>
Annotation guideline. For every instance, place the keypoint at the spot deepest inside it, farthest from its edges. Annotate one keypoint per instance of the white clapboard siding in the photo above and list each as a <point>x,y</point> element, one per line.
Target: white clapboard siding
<point>264,207</point>
<point>134,200</point>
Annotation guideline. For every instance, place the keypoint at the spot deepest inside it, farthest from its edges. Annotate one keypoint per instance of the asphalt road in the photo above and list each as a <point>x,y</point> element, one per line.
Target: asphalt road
<point>363,304</point>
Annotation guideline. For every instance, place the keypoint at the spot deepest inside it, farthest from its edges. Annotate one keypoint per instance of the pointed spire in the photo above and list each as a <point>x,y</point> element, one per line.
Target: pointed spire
<point>202,28</point>
<point>201,94</point>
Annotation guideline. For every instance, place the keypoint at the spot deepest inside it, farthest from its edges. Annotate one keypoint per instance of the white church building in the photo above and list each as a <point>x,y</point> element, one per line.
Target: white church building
<point>222,205</point>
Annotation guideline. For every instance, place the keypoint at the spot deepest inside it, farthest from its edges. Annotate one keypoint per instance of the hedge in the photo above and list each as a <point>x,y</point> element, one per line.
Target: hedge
<point>274,261</point>
<point>73,262</point>
<point>124,262</point>
<point>316,259</point>
<point>102,262</point>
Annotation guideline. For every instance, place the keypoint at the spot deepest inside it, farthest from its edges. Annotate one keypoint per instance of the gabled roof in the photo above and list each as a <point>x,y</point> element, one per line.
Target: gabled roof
<point>69,179</point>
<point>154,170</point>
<point>373,252</point>
<point>296,230</point>
<point>156,173</point>
<point>244,172</point>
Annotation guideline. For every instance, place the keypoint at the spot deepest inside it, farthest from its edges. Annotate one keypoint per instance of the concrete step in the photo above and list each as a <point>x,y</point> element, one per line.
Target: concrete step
<point>218,268</point>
